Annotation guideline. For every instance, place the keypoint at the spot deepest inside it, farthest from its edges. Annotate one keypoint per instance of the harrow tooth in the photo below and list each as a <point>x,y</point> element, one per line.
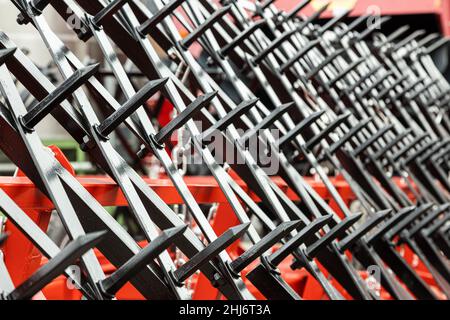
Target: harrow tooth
<point>125,111</point>
<point>209,253</point>
<point>436,226</point>
<point>392,144</point>
<point>5,54</point>
<point>54,99</point>
<point>436,148</point>
<point>435,46</point>
<point>391,87</point>
<point>373,221</point>
<point>349,69</point>
<point>426,40</point>
<point>349,135</point>
<point>200,30</point>
<point>299,7</point>
<point>367,32</point>
<point>374,84</point>
<point>128,270</point>
<point>373,139</point>
<point>412,37</point>
<point>333,22</point>
<point>3,238</point>
<point>273,46</point>
<point>355,24</point>
<point>228,120</point>
<point>419,152</point>
<point>303,125</point>
<point>390,223</point>
<point>186,115</point>
<point>263,245</point>
<point>107,12</point>
<point>410,233</point>
<point>439,97</point>
<point>273,117</point>
<point>236,42</point>
<point>327,131</point>
<point>303,236</point>
<point>311,45</point>
<point>360,81</point>
<point>152,23</point>
<point>408,147</point>
<point>336,232</point>
<point>417,214</point>
<point>329,59</point>
<point>56,266</point>
<point>394,35</point>
<point>411,86</point>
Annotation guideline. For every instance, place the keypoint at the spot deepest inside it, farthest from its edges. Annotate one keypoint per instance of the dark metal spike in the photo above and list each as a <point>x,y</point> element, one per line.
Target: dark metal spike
<point>362,230</point>
<point>273,45</point>
<point>263,245</point>
<point>413,36</point>
<point>151,23</point>
<point>201,29</point>
<point>210,252</point>
<point>355,24</point>
<point>274,116</point>
<point>435,46</point>
<point>418,213</point>
<point>391,87</point>
<point>363,147</point>
<point>395,35</point>
<point>428,39</point>
<point>108,11</point>
<point>5,54</point>
<point>426,221</point>
<point>311,45</point>
<point>336,232</point>
<point>316,139</point>
<point>419,152</point>
<point>349,69</point>
<point>134,103</point>
<point>299,8</point>
<point>186,115</point>
<point>389,224</point>
<point>404,150</point>
<point>129,269</point>
<point>56,266</point>
<point>437,226</point>
<point>375,84</point>
<point>298,129</point>
<point>361,80</point>
<point>392,144</point>
<point>303,236</point>
<point>236,42</point>
<point>350,134</point>
<point>324,63</point>
<point>334,21</point>
<point>54,99</point>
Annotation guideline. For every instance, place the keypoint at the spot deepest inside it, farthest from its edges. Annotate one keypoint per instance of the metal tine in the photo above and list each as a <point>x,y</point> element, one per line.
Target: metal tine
<point>422,224</point>
<point>355,24</point>
<point>349,69</point>
<point>439,97</point>
<point>56,266</point>
<point>333,22</point>
<point>298,129</point>
<point>182,118</point>
<point>367,32</point>
<point>405,92</point>
<point>437,148</point>
<point>54,99</point>
<point>326,62</point>
<point>419,152</point>
<point>5,54</point>
<point>436,226</point>
<point>274,116</point>
<point>389,224</point>
<point>3,238</point>
<point>210,252</point>
<point>360,80</point>
<point>226,121</point>
<point>297,9</point>
<point>201,29</point>
<point>436,46</point>
<point>311,45</point>
<point>263,245</point>
<point>327,131</point>
<point>431,37</point>
<point>373,221</point>
<point>417,214</point>
<point>409,39</point>
<point>392,144</point>
<point>107,12</point>
<point>364,146</point>
<point>395,35</point>
<point>236,42</point>
<point>129,269</point>
<point>151,23</point>
<point>375,84</point>
<point>423,89</point>
<point>350,134</point>
<point>303,236</point>
<point>135,102</point>
<point>408,147</point>
<point>336,232</point>
<point>392,86</point>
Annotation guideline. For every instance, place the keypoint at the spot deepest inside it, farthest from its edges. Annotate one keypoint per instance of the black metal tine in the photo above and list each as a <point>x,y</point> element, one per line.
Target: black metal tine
<point>409,39</point>
<point>54,99</point>
<point>392,144</point>
<point>274,116</point>
<point>423,89</point>
<point>436,148</point>
<point>395,35</point>
<point>437,45</point>
<point>422,224</point>
<point>431,37</point>
<point>391,87</point>
<point>327,131</point>
<point>364,146</point>
<point>350,134</point>
<point>151,23</point>
<point>236,42</point>
<point>417,214</point>
<point>355,24</point>
<point>336,232</point>
<point>334,21</point>
<point>347,70</point>
<point>307,232</point>
<point>361,80</point>
<point>111,8</point>
<point>129,269</point>
<point>375,84</point>
<point>419,152</point>
<point>226,121</point>
<point>304,124</point>
<point>210,252</point>
<point>120,115</point>
<point>347,242</point>
<point>56,266</point>
<point>324,63</point>
<point>408,147</point>
<point>405,92</point>
<point>263,245</point>
<point>3,238</point>
<point>187,114</point>
<point>311,45</point>
<point>436,226</point>
<point>5,54</point>
<point>389,224</point>
<point>201,29</point>
<point>367,32</point>
<point>297,9</point>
